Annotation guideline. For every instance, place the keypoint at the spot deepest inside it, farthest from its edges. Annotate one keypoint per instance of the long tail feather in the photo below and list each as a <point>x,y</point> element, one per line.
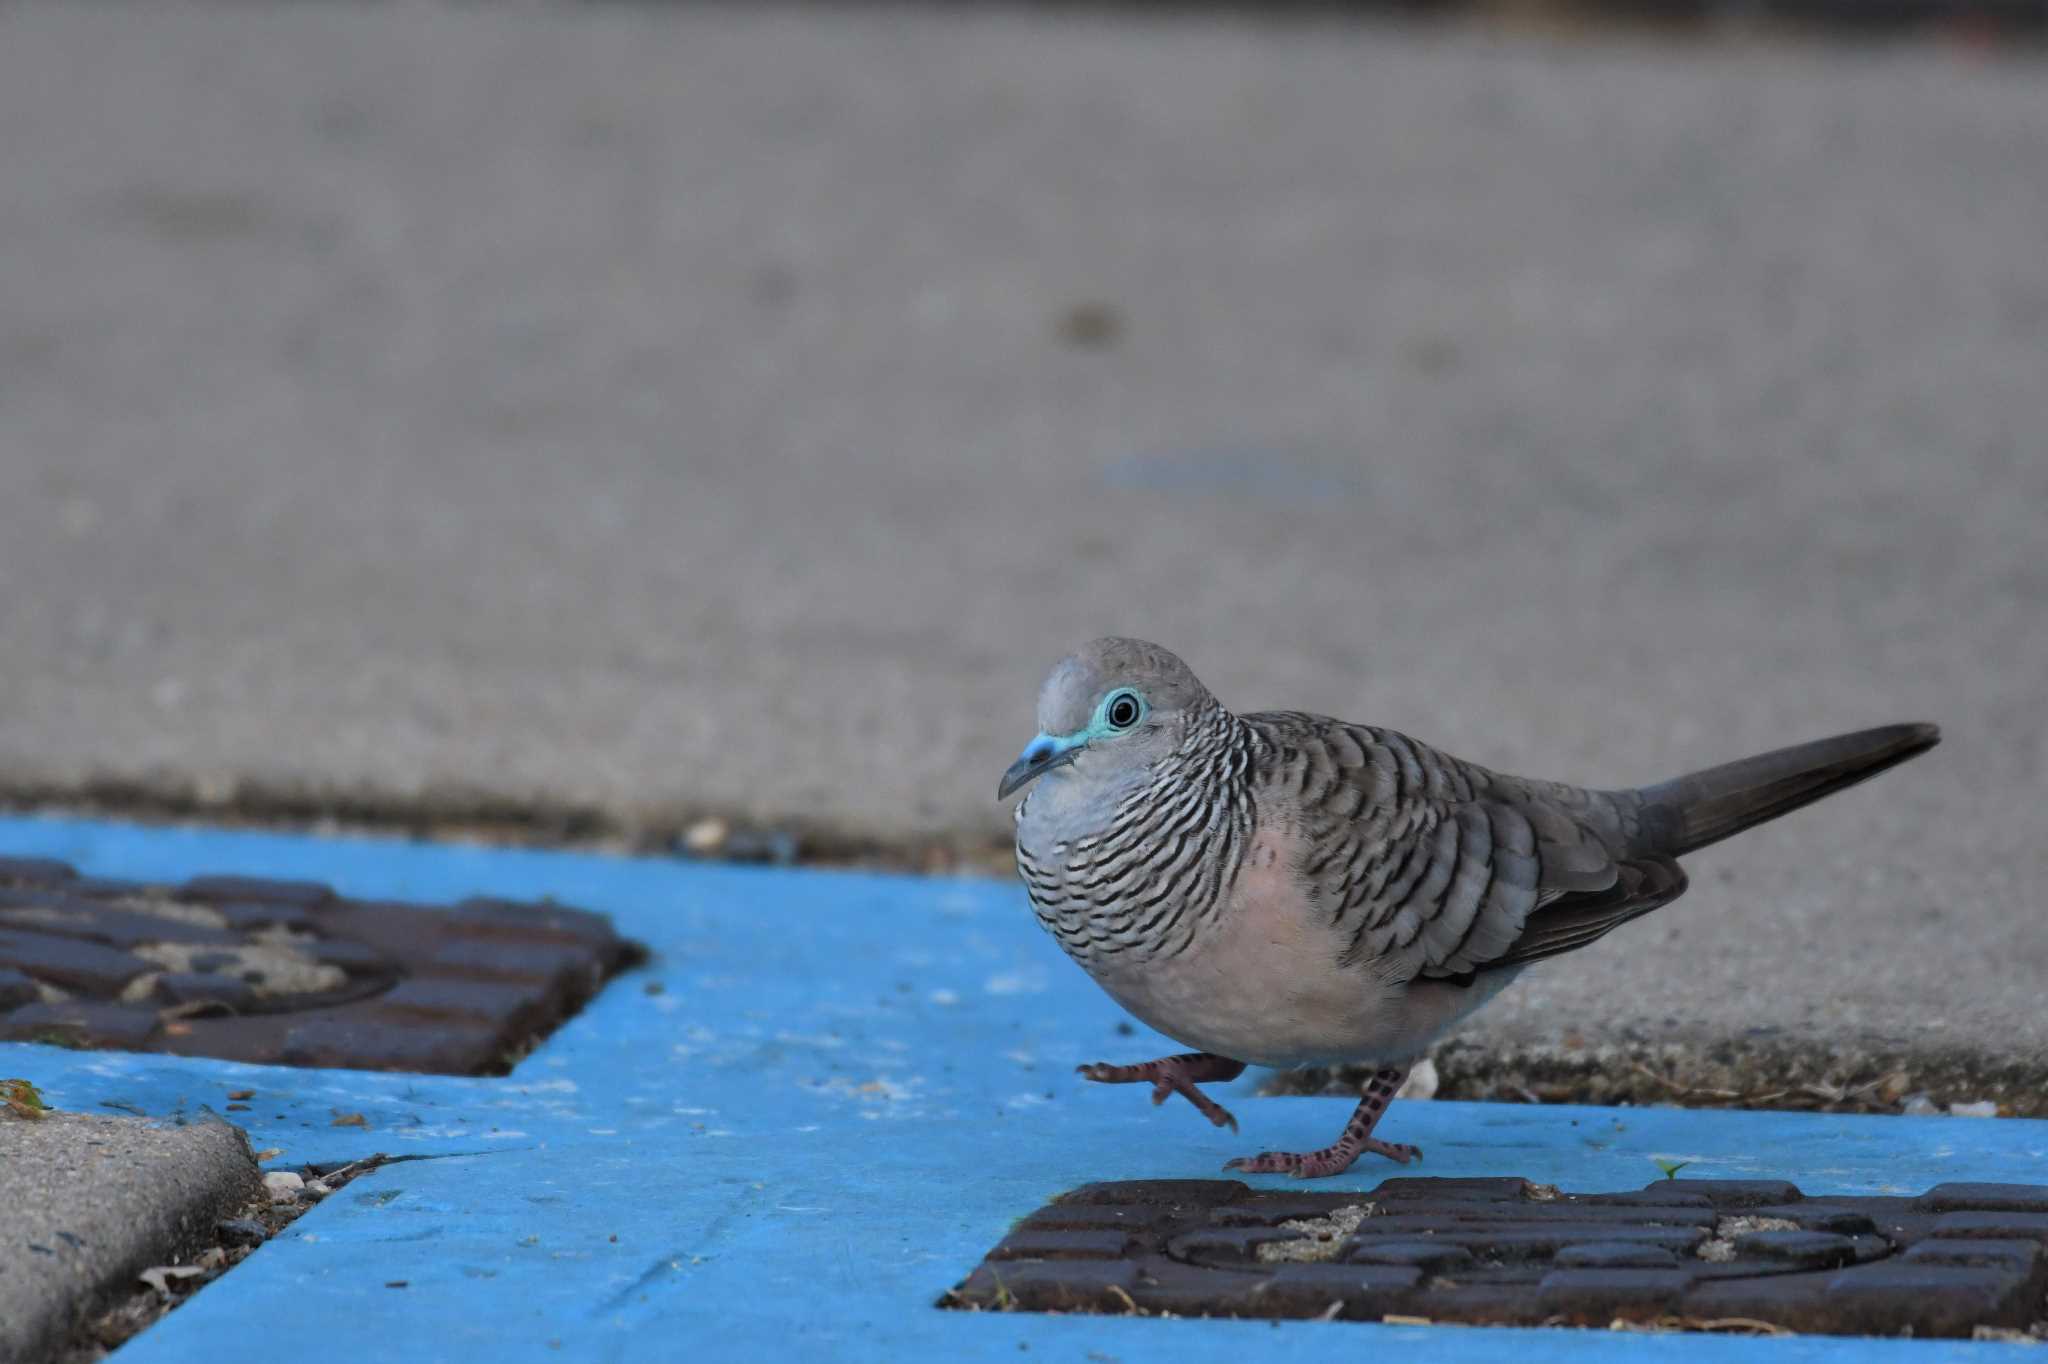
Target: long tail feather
<point>1707,806</point>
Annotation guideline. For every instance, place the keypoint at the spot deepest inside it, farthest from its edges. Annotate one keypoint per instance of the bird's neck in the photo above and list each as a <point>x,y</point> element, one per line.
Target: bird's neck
<point>1098,854</point>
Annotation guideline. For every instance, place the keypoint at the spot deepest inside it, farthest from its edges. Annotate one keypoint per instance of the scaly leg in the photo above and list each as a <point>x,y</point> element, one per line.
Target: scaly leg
<point>1175,1075</point>
<point>1356,1141</point>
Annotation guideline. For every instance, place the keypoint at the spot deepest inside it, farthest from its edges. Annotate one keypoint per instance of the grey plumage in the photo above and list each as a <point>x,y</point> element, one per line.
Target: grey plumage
<point>1281,887</point>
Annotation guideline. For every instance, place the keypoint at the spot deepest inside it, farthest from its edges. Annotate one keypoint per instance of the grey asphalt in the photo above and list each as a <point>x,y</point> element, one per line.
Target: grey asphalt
<point>673,410</point>
<point>90,1202</point>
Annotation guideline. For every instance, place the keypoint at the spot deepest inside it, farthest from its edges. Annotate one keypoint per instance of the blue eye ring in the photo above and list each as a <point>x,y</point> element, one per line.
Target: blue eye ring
<point>1123,709</point>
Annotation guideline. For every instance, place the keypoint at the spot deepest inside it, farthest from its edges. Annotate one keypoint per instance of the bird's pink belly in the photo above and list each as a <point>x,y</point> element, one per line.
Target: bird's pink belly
<point>1269,993</point>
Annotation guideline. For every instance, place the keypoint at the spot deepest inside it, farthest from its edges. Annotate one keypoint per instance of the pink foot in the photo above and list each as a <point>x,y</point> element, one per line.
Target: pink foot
<point>1356,1140</point>
<point>1175,1075</point>
<point>1331,1160</point>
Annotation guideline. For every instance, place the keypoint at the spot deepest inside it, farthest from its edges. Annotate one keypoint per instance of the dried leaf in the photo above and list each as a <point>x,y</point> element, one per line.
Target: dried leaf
<point>163,1276</point>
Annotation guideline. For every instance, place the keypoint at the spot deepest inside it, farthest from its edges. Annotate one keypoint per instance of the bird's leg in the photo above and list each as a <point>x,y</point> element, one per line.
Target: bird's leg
<point>1355,1142</point>
<point>1175,1075</point>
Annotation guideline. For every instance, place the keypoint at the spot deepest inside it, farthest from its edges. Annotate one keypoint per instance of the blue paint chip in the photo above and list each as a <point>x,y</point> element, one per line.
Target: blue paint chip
<point>813,1111</point>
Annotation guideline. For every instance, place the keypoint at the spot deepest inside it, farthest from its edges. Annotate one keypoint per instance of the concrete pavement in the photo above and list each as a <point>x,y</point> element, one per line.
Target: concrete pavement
<point>654,411</point>
<point>92,1201</point>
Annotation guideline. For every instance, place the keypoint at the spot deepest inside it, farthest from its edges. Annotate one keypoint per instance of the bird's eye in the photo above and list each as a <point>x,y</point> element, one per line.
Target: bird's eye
<point>1123,711</point>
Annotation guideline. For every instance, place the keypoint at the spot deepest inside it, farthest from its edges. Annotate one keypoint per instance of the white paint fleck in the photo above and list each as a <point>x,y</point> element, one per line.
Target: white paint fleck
<point>1016,983</point>
<point>944,997</point>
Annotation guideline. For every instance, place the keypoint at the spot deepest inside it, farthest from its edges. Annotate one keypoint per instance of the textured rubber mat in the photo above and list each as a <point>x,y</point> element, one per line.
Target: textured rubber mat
<point>288,972</point>
<point>1683,1252</point>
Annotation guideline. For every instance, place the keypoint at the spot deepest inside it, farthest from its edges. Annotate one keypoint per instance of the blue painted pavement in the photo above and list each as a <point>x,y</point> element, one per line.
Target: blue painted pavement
<point>811,1113</point>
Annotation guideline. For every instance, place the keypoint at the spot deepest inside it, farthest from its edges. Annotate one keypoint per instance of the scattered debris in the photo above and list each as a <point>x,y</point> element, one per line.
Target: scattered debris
<point>342,1119</point>
<point>1726,1326</point>
<point>20,1099</point>
<point>1670,1167</point>
<point>162,1276</point>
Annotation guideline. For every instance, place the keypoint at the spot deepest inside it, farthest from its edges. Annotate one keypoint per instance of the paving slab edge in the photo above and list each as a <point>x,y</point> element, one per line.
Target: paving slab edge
<point>106,1255</point>
<point>465,811</point>
<point>1843,1074</point>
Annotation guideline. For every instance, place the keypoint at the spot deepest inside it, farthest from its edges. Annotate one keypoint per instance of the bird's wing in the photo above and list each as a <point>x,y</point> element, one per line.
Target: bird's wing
<point>1430,866</point>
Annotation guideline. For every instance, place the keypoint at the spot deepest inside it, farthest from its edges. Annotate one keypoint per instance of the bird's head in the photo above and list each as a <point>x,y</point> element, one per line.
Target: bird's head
<point>1114,698</point>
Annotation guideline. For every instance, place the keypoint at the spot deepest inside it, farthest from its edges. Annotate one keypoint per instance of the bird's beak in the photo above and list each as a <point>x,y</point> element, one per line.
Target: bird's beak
<point>1040,756</point>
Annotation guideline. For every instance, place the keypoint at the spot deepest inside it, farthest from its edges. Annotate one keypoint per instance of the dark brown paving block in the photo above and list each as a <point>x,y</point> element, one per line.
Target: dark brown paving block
<point>1820,1215</point>
<point>2032,1226</point>
<point>1932,1300</point>
<point>1985,1198</point>
<point>1054,1285</point>
<point>1509,1252</point>
<point>1033,1243</point>
<point>82,1022</point>
<point>16,989</point>
<point>1170,1192</point>
<point>1431,1257</point>
<point>1356,1292</point>
<point>334,1040</point>
<point>1733,1193</point>
<point>1805,1249</point>
<point>34,871</point>
<point>2022,1256</point>
<point>1594,1297</point>
<point>1094,1216</point>
<point>289,972</point>
<point>73,965</point>
<point>1616,1255</point>
<point>1458,1190</point>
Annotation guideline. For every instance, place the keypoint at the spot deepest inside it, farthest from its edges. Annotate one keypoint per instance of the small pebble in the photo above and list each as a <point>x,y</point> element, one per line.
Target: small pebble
<point>1918,1106</point>
<point>284,1186</point>
<point>706,836</point>
<point>1983,1108</point>
<point>241,1231</point>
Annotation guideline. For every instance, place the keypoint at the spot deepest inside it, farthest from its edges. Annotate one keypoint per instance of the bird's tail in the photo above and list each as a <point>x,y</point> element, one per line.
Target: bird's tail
<point>1707,806</point>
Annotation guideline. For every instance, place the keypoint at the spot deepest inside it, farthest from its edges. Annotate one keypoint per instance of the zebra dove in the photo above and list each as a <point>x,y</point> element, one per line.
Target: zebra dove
<point>1287,889</point>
